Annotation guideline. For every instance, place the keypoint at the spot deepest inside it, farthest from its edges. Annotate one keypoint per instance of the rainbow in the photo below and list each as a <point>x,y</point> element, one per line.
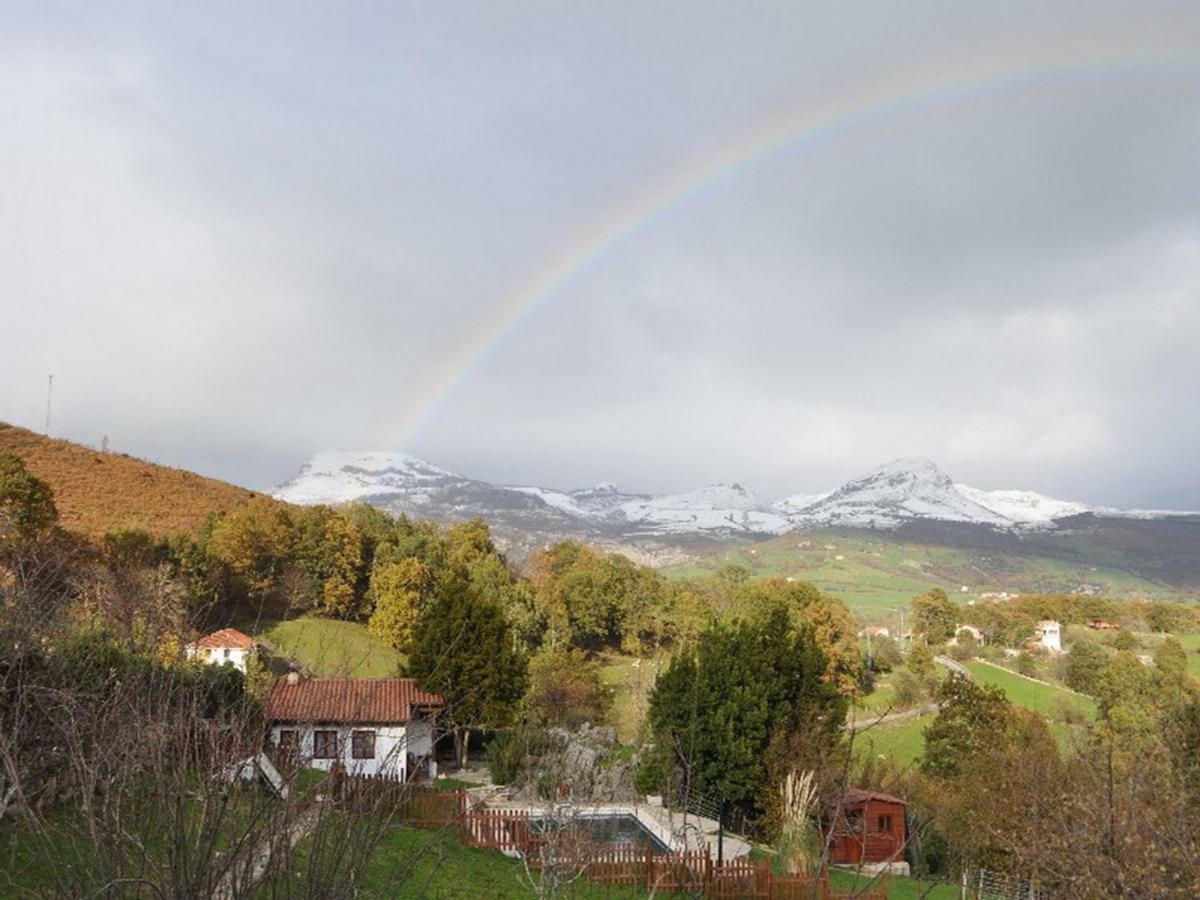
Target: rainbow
<point>935,82</point>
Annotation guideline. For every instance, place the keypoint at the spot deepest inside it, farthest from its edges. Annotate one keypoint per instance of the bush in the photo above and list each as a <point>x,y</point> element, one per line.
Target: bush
<point>1026,664</point>
<point>909,689</point>
<point>506,756</point>
<point>651,773</point>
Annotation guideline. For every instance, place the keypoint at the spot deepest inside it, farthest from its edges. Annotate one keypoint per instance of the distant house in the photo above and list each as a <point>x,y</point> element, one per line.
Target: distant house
<point>870,832</point>
<point>1049,635</point>
<point>372,726</point>
<point>970,630</point>
<point>1101,625</point>
<point>876,631</point>
<point>225,646</point>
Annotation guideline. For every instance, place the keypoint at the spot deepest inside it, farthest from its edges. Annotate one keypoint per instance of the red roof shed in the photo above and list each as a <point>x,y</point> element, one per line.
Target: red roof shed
<point>870,829</point>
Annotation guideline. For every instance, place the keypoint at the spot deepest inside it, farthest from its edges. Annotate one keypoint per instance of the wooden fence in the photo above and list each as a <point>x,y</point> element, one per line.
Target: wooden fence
<point>512,831</point>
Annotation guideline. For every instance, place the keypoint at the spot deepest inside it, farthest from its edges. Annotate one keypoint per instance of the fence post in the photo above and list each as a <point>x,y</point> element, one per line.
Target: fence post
<point>649,868</point>
<point>770,882</point>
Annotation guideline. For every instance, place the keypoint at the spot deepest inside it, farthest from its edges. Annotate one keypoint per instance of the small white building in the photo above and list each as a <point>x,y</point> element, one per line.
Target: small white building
<point>1049,635</point>
<point>969,630</point>
<point>372,726</point>
<point>876,631</point>
<point>225,646</point>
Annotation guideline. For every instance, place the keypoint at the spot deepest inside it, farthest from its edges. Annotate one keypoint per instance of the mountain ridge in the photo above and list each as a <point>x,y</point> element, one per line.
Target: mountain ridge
<point>912,489</point>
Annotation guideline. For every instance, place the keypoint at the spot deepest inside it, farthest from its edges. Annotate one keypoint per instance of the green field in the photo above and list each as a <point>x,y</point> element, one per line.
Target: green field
<point>1191,643</point>
<point>902,742</point>
<point>1055,703</point>
<point>330,647</point>
<point>630,679</point>
<point>875,573</point>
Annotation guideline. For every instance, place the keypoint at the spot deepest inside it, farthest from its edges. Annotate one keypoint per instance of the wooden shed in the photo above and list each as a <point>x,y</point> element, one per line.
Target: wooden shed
<point>870,829</point>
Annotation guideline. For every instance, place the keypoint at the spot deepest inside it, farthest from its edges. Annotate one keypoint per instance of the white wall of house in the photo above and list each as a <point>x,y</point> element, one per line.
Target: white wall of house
<point>1050,636</point>
<point>216,656</point>
<point>393,744</point>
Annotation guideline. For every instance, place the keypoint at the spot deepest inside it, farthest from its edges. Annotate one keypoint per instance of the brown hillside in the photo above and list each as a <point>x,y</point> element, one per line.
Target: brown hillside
<point>97,491</point>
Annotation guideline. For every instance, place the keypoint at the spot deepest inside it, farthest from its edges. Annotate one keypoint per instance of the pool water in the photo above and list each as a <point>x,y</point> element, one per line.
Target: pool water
<point>620,830</point>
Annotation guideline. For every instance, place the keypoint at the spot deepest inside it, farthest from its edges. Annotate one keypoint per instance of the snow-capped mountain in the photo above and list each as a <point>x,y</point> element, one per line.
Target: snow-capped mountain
<point>900,492</point>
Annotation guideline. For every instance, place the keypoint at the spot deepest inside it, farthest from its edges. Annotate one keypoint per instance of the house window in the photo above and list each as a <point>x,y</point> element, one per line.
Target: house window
<point>362,745</point>
<point>226,652</point>
<point>885,824</point>
<point>325,745</point>
<point>289,740</point>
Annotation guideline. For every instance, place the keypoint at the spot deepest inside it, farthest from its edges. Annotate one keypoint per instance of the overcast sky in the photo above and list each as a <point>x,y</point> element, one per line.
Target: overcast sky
<point>238,234</point>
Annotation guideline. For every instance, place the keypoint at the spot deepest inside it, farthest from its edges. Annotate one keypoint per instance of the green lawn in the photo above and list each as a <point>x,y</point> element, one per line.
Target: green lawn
<point>902,741</point>
<point>1191,643</point>
<point>630,679</point>
<point>1054,703</point>
<point>330,647</point>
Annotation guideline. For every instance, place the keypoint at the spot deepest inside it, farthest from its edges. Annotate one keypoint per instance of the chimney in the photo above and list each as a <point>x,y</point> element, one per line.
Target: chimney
<point>293,676</point>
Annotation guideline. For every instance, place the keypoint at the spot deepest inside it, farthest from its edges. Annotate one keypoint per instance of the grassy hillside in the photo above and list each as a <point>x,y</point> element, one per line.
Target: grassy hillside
<point>1053,702</point>
<point>97,491</point>
<point>330,648</point>
<point>876,572</point>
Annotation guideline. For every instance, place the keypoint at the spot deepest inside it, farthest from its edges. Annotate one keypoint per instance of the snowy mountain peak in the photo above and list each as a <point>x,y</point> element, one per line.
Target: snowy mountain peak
<point>899,491</point>
<point>341,476</point>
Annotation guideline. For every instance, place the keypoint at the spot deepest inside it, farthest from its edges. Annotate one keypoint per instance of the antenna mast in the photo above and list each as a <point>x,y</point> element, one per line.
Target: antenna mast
<point>49,399</point>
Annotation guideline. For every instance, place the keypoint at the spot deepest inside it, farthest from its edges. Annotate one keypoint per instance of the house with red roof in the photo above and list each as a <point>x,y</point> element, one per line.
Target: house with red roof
<point>227,646</point>
<point>371,726</point>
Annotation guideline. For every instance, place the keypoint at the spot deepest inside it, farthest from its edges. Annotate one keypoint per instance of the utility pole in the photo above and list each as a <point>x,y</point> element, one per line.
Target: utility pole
<point>49,400</point>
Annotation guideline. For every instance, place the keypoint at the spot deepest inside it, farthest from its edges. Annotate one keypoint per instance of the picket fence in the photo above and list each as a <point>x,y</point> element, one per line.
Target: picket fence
<point>512,831</point>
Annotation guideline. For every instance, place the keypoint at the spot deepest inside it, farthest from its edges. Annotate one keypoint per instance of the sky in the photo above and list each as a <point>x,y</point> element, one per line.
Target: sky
<point>238,234</point>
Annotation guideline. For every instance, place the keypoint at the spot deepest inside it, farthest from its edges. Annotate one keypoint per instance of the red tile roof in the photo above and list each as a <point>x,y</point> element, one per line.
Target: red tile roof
<point>350,700</point>
<point>855,796</point>
<point>226,637</point>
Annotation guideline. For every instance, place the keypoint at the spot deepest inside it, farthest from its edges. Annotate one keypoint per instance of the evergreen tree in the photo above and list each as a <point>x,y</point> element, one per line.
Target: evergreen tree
<point>717,708</point>
<point>463,649</point>
<point>1084,662</point>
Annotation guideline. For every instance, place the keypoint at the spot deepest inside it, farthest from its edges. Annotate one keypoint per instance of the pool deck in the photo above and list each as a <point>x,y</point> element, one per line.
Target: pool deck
<point>676,829</point>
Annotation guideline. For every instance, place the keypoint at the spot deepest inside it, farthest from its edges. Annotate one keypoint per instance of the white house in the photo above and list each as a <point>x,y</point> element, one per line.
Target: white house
<point>225,646</point>
<point>969,630</point>
<point>1049,635</point>
<point>372,726</point>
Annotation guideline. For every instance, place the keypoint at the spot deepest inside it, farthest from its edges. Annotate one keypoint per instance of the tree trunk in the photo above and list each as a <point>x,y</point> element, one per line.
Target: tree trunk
<point>462,741</point>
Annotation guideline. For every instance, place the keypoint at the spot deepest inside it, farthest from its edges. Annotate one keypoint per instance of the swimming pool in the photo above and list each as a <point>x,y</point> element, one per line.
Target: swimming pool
<point>616,829</point>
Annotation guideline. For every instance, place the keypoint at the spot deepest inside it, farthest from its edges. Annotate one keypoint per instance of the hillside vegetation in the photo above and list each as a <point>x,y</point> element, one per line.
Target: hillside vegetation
<point>96,492</point>
<point>875,572</point>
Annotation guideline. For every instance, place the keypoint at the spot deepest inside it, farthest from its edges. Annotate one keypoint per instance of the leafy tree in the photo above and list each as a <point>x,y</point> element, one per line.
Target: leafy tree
<point>398,591</point>
<point>1026,664</point>
<point>968,720</point>
<point>1170,661</point>
<point>26,503</point>
<point>935,616</point>
<point>565,689</point>
<point>256,541</point>
<point>463,649</point>
<point>920,661</point>
<point>1085,660</point>
<point>717,708</point>
<point>329,547</point>
<point>1125,640</point>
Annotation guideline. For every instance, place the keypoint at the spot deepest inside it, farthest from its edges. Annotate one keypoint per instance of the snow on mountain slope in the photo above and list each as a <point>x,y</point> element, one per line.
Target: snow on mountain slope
<point>716,508</point>
<point>906,490</point>
<point>900,491</point>
<point>1024,507</point>
<point>341,476</point>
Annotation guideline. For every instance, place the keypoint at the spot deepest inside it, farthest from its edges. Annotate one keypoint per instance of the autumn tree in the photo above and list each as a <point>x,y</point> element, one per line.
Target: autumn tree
<point>935,616</point>
<point>565,688</point>
<point>256,542</point>
<point>329,548</point>
<point>398,592</point>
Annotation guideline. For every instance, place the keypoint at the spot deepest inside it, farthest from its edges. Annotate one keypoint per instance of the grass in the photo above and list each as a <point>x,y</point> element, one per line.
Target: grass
<point>630,679</point>
<point>331,648</point>
<point>1191,643</point>
<point>1055,703</point>
<point>902,741</point>
<point>876,572</point>
<point>96,492</point>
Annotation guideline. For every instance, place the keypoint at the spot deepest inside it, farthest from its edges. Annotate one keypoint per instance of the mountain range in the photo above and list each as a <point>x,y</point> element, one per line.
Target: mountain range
<point>896,494</point>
